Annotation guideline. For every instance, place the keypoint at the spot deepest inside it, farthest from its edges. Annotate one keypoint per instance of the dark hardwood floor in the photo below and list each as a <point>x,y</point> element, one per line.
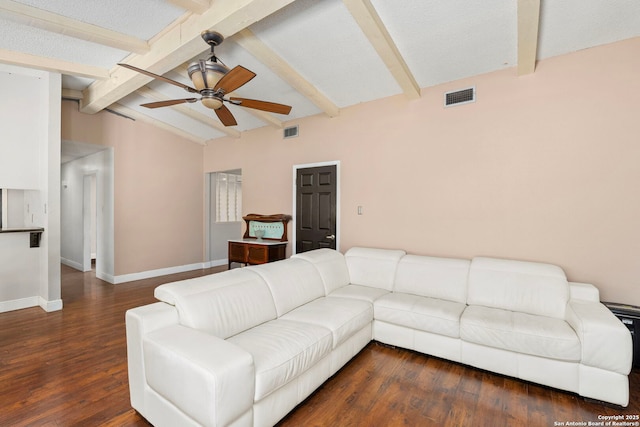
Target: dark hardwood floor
<point>69,368</point>
<point>386,386</point>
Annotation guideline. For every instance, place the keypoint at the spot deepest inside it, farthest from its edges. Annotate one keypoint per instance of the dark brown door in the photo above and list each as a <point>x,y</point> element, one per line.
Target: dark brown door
<point>316,208</point>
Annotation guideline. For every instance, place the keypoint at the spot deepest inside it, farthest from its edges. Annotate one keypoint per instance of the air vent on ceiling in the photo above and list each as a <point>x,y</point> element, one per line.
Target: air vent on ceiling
<point>463,96</point>
<point>291,132</point>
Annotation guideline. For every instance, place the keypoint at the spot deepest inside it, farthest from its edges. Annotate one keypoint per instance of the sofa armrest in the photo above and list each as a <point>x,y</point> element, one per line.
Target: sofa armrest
<point>209,379</point>
<point>140,321</point>
<point>606,342</point>
<point>584,291</point>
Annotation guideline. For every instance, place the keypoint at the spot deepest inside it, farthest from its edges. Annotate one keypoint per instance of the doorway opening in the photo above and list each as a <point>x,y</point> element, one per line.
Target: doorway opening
<point>224,213</point>
<point>89,222</point>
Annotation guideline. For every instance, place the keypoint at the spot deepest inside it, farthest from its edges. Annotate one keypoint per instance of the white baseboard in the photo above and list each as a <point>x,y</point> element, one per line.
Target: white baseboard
<point>124,278</point>
<point>19,304</point>
<point>48,306</point>
<point>106,277</point>
<point>159,272</point>
<point>71,263</point>
<point>216,263</point>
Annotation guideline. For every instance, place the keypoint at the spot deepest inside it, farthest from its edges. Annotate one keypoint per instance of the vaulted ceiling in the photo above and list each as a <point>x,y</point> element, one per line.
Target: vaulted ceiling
<point>316,55</point>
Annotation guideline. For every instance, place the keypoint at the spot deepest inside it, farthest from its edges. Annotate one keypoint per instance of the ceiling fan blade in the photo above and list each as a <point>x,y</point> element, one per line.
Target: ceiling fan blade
<point>168,103</point>
<point>235,78</point>
<point>225,116</point>
<point>271,107</point>
<point>159,77</point>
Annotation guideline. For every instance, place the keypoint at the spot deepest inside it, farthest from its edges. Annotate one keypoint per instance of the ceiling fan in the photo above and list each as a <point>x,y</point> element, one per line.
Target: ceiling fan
<point>213,80</point>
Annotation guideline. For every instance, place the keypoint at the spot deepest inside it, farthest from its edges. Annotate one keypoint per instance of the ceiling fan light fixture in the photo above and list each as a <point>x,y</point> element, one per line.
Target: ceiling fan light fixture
<point>206,74</point>
<point>212,102</point>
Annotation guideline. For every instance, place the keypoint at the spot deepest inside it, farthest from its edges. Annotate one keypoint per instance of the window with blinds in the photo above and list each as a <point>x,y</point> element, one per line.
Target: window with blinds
<point>228,197</point>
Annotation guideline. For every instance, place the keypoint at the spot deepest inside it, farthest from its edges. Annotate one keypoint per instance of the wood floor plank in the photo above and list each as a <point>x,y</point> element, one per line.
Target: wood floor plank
<point>69,368</point>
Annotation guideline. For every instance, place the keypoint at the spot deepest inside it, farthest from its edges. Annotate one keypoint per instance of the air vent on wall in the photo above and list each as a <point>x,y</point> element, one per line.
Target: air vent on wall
<point>463,96</point>
<point>291,132</point>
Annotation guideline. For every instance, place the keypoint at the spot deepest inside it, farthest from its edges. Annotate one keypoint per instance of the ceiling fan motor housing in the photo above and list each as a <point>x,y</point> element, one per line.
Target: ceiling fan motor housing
<point>205,74</point>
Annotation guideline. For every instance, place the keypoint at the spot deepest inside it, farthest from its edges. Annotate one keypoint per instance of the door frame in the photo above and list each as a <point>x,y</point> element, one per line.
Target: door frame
<point>90,229</point>
<point>335,163</point>
<point>209,218</point>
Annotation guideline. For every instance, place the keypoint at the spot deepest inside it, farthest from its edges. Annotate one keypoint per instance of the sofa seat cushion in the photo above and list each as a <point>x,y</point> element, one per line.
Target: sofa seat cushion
<point>365,293</point>
<point>282,350</point>
<point>421,313</point>
<point>520,332</point>
<point>343,316</point>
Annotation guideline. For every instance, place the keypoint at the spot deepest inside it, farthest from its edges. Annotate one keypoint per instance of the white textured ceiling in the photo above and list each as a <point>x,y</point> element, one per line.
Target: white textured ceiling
<point>322,42</point>
<point>331,62</point>
<point>139,18</point>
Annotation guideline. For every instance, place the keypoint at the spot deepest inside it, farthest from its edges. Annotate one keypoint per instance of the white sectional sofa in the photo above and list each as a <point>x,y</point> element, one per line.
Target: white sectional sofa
<point>244,347</point>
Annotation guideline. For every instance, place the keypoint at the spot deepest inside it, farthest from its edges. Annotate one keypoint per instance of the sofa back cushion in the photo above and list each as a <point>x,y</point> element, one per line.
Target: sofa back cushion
<point>292,282</point>
<point>331,266</point>
<point>527,287</point>
<point>373,267</point>
<point>442,278</point>
<point>169,292</point>
<point>236,301</point>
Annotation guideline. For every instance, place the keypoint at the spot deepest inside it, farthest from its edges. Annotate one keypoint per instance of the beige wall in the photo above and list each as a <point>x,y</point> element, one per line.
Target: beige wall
<point>159,187</point>
<point>543,167</point>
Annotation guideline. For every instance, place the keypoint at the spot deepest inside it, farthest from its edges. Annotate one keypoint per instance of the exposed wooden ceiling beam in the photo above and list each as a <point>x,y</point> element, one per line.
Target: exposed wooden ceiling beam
<point>528,27</point>
<point>190,112</point>
<point>71,94</point>
<point>177,45</point>
<point>374,29</point>
<point>45,20</point>
<point>195,6</point>
<point>267,56</point>
<point>53,65</point>
<point>129,112</point>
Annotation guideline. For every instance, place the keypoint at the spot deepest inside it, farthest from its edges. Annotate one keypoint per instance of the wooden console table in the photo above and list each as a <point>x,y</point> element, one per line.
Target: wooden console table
<point>256,252</point>
<point>264,240</point>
